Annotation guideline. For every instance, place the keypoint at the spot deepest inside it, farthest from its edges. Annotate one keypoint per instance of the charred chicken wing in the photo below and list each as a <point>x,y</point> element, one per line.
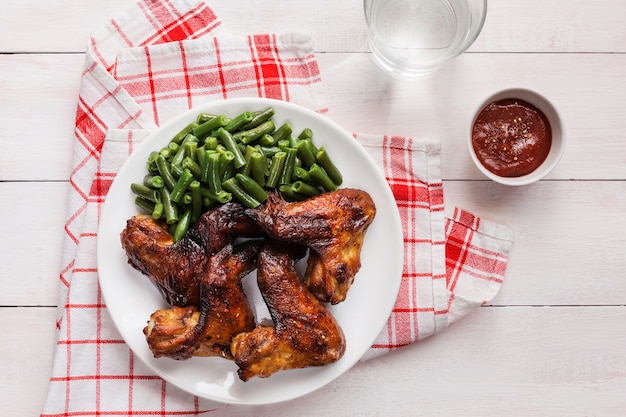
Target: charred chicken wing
<point>333,225</point>
<point>304,333</point>
<point>223,312</point>
<point>174,268</point>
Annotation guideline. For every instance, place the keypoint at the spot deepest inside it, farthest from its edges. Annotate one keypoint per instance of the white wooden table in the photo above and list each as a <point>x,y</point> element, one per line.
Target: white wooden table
<point>552,343</point>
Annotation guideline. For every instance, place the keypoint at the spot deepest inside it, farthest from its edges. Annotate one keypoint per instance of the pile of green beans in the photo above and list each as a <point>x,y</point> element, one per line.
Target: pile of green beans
<point>217,159</point>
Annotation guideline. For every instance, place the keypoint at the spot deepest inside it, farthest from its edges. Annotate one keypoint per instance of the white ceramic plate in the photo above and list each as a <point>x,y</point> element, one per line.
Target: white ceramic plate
<point>131,298</point>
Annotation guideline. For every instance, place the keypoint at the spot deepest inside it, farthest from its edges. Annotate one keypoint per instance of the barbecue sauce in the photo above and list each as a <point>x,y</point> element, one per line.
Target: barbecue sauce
<point>511,137</point>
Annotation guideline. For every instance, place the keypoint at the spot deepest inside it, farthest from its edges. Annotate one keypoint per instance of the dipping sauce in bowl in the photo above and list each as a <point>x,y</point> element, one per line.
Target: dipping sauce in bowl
<point>516,137</point>
<point>511,137</point>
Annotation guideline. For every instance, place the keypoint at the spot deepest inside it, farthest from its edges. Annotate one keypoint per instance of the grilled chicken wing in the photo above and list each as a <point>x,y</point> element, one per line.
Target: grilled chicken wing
<point>223,312</point>
<point>174,268</point>
<point>333,225</point>
<point>304,333</point>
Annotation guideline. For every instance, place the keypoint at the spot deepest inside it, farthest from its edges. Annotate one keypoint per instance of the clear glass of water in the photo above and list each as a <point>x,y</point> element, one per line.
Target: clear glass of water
<point>411,38</point>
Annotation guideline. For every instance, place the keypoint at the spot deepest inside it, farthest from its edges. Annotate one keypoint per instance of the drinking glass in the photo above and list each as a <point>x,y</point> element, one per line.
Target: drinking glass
<point>409,38</point>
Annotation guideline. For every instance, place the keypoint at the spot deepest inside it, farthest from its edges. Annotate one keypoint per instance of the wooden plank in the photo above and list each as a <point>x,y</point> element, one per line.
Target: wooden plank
<point>511,26</point>
<point>60,26</point>
<point>26,359</point>
<point>38,116</point>
<point>361,99</point>
<point>525,360</point>
<point>30,252</point>
<point>552,26</point>
<point>565,250</point>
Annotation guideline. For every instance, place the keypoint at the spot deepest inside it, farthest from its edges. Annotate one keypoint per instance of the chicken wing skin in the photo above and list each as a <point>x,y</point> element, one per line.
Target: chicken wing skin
<point>174,268</point>
<point>223,312</point>
<point>333,225</point>
<point>304,333</point>
<point>222,225</point>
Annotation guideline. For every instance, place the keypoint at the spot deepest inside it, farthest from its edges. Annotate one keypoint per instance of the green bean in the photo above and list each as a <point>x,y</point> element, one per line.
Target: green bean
<point>210,125</point>
<point>301,174</point>
<point>181,186</point>
<point>211,143</point>
<point>284,144</point>
<point>276,169</point>
<point>190,150</point>
<point>207,203</point>
<point>169,208</point>
<point>157,212</point>
<point>144,192</point>
<point>151,162</point>
<point>153,181</point>
<point>186,200</point>
<point>323,159</point>
<point>183,225</point>
<point>177,171</point>
<point>246,151</point>
<point>193,166</point>
<point>321,178</point>
<point>307,133</point>
<point>196,200</point>
<point>226,161</point>
<point>177,159</point>
<point>258,118</point>
<point>228,172</point>
<point>231,145</point>
<point>270,151</point>
<point>178,138</point>
<point>265,140</point>
<point>283,132</point>
<point>212,175</point>
<point>201,158</point>
<point>173,146</point>
<point>239,121</point>
<point>251,135</point>
<point>253,188</point>
<point>238,192</point>
<point>290,164</point>
<point>311,145</point>
<point>166,174</point>
<point>306,152</point>
<point>205,117</point>
<point>290,194</point>
<point>305,189</point>
<point>166,153</point>
<point>258,167</point>
<point>144,204</point>
<point>259,148</point>
<point>219,197</point>
<point>222,151</point>
<point>226,165</point>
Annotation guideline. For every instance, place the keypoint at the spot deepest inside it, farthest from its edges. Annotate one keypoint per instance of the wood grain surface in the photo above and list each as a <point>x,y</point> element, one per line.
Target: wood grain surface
<point>553,341</point>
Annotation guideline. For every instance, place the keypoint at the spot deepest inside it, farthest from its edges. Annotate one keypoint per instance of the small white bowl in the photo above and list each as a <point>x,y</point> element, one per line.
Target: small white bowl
<point>556,125</point>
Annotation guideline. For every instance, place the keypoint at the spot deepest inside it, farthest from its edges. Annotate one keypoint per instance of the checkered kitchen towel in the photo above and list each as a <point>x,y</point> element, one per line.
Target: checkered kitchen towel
<point>160,58</point>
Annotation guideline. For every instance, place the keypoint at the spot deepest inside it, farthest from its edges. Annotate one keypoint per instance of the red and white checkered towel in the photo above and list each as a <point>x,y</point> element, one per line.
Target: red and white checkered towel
<point>160,58</point>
